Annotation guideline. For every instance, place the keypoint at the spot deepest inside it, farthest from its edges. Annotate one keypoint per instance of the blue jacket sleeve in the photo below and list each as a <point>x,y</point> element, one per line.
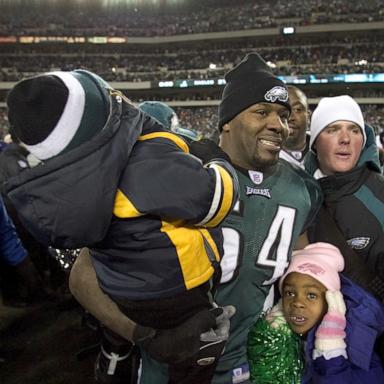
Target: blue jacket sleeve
<point>12,251</point>
<point>364,324</point>
<point>341,371</point>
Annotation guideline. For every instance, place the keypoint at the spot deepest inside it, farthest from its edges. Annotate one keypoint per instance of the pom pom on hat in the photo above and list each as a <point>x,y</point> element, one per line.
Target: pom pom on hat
<point>55,112</point>
<point>162,112</point>
<point>322,261</point>
<point>331,109</point>
<point>250,82</point>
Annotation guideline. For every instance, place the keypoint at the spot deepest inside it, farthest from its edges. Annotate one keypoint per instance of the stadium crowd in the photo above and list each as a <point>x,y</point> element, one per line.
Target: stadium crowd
<point>212,16</point>
<point>354,56</point>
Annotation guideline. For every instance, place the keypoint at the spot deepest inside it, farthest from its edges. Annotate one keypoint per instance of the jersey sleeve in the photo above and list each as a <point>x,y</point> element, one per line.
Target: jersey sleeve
<point>163,179</point>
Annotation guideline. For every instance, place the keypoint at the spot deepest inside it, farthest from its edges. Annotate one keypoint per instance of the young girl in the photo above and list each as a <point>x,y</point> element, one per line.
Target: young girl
<point>324,328</point>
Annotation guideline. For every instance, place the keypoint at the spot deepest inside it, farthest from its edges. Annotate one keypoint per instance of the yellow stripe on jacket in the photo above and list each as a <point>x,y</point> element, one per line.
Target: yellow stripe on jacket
<point>193,258</point>
<point>166,135</point>
<point>124,208</point>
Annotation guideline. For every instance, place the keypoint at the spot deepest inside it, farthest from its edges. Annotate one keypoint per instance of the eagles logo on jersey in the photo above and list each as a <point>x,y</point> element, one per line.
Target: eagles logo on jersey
<point>358,242</point>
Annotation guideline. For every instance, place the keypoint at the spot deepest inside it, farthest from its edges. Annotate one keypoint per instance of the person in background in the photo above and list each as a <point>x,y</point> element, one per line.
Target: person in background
<point>344,160</point>
<point>21,283</point>
<point>334,320</point>
<point>162,112</point>
<point>296,146</point>
<point>115,180</point>
<point>380,147</point>
<point>165,115</point>
<point>14,159</point>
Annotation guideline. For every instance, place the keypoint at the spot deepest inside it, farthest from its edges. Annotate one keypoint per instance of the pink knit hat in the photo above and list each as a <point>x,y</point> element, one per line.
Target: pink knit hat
<point>322,261</point>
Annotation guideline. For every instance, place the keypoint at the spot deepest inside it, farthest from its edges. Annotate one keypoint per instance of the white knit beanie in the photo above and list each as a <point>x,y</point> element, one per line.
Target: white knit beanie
<point>331,109</point>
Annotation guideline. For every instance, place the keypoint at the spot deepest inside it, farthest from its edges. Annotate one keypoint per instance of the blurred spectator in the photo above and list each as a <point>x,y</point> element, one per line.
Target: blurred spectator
<point>337,56</point>
<point>20,283</point>
<point>14,159</point>
<point>167,116</point>
<point>296,145</point>
<point>91,19</point>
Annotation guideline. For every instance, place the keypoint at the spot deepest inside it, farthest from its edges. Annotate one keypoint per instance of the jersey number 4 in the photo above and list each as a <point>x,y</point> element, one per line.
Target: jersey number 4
<point>273,253</point>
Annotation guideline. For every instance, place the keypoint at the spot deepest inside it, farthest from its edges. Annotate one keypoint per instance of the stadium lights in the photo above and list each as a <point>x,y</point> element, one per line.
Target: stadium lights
<point>288,30</point>
<point>137,2</point>
<point>299,79</point>
<point>361,62</point>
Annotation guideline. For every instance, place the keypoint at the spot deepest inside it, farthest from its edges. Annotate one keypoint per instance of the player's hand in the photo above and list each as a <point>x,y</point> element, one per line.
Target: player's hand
<point>191,341</point>
<point>212,343</point>
<point>207,150</point>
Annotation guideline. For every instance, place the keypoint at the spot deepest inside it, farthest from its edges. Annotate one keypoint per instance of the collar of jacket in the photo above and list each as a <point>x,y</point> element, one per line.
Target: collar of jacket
<point>336,186</point>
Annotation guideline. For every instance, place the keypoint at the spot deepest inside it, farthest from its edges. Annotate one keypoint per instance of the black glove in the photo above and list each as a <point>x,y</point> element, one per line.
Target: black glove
<point>207,150</point>
<point>182,344</point>
<point>212,342</point>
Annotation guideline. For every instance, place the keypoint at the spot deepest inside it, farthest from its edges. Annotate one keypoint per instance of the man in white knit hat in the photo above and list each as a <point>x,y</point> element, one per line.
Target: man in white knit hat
<point>337,134</point>
<point>344,159</point>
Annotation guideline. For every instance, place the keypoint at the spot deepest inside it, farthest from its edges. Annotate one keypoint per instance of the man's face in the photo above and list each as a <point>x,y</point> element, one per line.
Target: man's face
<point>339,147</point>
<point>304,303</point>
<point>298,120</point>
<point>254,137</point>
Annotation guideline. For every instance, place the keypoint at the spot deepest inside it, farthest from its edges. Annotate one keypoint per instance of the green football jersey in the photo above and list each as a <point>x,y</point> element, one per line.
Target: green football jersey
<point>272,211</point>
<point>259,235</point>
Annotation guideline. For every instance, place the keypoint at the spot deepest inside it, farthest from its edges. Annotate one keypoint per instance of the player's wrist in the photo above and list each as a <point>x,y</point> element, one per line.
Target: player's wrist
<point>142,336</point>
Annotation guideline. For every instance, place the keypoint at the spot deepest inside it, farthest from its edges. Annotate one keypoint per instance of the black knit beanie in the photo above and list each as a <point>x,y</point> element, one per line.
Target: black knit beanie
<point>250,82</point>
<point>55,112</point>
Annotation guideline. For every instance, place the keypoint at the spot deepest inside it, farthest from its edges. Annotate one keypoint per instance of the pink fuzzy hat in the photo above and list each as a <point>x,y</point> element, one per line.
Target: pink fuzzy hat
<point>322,261</point>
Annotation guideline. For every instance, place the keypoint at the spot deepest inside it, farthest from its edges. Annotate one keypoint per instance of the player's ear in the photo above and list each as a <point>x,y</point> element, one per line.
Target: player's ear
<point>309,114</point>
<point>226,127</point>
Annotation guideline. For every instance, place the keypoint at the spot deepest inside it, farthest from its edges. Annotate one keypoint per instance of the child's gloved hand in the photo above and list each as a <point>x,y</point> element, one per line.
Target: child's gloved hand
<point>330,335</point>
<point>275,316</point>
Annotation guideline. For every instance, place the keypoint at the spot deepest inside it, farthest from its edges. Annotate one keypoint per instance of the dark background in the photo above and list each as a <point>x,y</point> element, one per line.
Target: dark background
<point>40,345</point>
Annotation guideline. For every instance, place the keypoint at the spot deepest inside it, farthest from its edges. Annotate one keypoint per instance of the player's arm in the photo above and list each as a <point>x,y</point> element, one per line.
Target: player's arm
<point>301,242</point>
<point>163,179</point>
<point>85,288</point>
<point>164,345</point>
